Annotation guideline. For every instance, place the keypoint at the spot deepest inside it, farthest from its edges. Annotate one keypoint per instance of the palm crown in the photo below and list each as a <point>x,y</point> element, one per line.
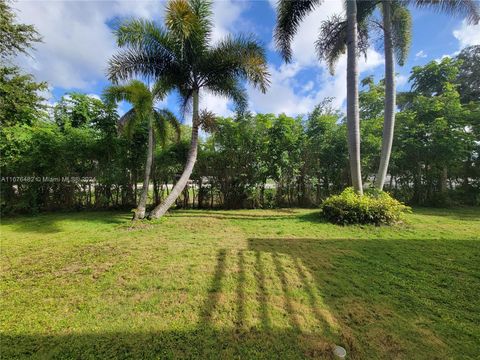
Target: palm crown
<point>331,42</point>
<point>180,55</point>
<point>143,108</point>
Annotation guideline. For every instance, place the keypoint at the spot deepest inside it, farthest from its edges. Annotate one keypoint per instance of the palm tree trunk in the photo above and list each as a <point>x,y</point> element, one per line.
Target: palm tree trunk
<point>353,116</point>
<point>142,204</point>
<point>162,208</point>
<point>390,94</point>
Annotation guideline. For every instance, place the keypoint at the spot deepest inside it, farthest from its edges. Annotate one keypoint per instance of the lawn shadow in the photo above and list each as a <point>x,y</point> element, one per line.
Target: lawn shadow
<point>204,343</point>
<point>232,215</point>
<point>378,298</point>
<point>51,223</point>
<point>393,298</point>
<point>462,213</point>
<point>205,340</point>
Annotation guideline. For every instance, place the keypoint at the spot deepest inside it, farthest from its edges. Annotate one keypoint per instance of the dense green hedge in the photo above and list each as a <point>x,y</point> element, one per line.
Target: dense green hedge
<point>374,207</point>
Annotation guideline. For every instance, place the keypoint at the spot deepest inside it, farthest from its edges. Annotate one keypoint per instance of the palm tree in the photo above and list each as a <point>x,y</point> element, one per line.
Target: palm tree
<point>396,30</point>
<point>289,15</point>
<point>396,25</point>
<point>181,56</point>
<point>143,101</point>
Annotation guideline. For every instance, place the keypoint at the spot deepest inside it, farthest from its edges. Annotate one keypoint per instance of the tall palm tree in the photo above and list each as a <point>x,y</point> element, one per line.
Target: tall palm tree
<point>143,101</point>
<point>396,29</point>
<point>289,15</point>
<point>181,56</point>
<point>396,26</point>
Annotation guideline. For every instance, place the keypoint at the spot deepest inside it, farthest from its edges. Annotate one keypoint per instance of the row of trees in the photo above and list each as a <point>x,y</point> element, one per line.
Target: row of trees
<point>261,160</point>
<point>180,58</point>
<point>351,33</point>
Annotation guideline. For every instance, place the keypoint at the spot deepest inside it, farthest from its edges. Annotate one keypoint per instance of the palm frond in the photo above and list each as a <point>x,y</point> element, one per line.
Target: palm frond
<point>144,34</point>
<point>332,40</point>
<point>401,32</point>
<point>289,16</point>
<point>208,121</point>
<point>203,12</point>
<point>168,117</point>
<point>136,61</point>
<point>127,122</point>
<point>135,92</point>
<point>160,89</point>
<point>230,88</point>
<point>239,56</point>
<point>179,18</point>
<point>468,8</point>
<point>160,126</point>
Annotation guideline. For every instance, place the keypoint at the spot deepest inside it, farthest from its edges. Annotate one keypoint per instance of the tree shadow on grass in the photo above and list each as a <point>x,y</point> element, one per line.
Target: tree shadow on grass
<point>204,343</point>
<point>205,340</point>
<point>392,298</point>
<point>233,215</point>
<point>381,299</point>
<point>459,213</point>
<point>51,223</point>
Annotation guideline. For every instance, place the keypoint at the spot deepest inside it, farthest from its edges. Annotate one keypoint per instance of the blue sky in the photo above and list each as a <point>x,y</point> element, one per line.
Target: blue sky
<point>78,42</point>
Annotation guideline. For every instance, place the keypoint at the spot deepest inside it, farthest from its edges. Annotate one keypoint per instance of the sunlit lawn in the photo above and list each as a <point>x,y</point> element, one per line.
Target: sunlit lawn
<point>240,284</point>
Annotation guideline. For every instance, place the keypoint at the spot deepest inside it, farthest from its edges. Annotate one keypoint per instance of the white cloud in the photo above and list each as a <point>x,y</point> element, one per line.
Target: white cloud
<point>303,44</point>
<point>421,54</point>
<point>226,13</point>
<point>467,35</point>
<point>77,41</point>
<point>216,104</point>
<point>282,97</point>
<point>401,80</point>
<point>308,86</point>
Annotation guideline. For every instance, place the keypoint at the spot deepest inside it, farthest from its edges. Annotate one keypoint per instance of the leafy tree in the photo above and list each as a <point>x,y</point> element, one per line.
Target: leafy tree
<point>181,56</point>
<point>430,80</point>
<point>469,74</point>
<point>16,38</point>
<point>80,110</point>
<point>20,102</point>
<point>436,133</point>
<point>326,153</point>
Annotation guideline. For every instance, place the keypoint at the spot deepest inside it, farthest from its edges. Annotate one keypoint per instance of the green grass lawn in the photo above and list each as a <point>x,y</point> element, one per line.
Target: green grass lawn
<point>240,284</point>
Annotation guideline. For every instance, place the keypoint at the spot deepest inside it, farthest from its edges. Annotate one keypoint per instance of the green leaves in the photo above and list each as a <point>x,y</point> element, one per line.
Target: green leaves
<point>375,207</point>
<point>16,38</point>
<point>20,101</point>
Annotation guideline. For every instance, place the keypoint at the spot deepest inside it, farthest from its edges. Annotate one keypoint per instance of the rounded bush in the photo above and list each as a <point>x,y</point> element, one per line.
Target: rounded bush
<point>374,207</point>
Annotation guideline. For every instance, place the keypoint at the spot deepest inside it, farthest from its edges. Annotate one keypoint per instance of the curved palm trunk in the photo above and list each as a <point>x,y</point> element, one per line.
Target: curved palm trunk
<point>162,208</point>
<point>390,94</point>
<point>142,204</point>
<point>353,116</point>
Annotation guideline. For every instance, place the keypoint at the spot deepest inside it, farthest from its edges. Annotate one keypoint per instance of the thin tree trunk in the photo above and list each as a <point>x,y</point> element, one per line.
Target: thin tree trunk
<point>353,116</point>
<point>142,204</point>
<point>162,208</point>
<point>390,94</point>
<point>444,179</point>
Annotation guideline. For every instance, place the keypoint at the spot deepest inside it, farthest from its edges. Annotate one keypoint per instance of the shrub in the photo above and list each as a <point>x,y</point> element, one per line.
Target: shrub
<point>374,207</point>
